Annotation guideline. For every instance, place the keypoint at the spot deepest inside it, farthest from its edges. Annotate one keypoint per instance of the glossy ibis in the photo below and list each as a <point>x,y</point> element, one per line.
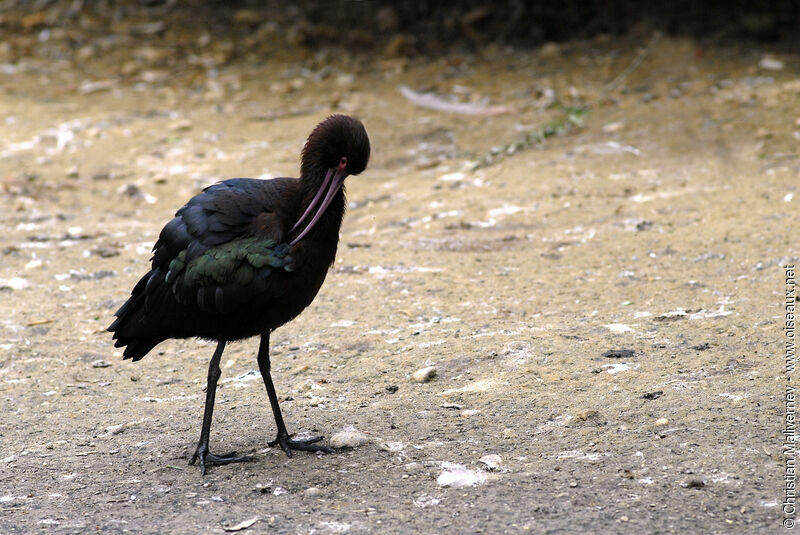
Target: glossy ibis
<point>241,259</point>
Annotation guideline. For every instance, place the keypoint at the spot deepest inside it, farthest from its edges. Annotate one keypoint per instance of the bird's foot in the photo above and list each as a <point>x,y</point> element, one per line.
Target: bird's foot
<point>207,458</point>
<point>287,444</point>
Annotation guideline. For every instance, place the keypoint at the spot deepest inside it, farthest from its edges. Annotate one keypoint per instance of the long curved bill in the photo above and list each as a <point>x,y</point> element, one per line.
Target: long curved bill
<point>334,179</point>
<point>315,200</point>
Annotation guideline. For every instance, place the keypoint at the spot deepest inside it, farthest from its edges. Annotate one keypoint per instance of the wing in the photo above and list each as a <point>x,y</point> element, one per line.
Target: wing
<point>222,247</point>
<point>228,275</point>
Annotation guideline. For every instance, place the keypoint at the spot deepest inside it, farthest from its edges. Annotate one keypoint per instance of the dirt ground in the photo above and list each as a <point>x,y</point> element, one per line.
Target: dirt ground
<point>650,219</point>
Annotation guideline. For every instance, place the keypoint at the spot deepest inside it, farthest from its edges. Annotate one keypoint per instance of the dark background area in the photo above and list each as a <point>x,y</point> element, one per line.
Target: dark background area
<point>421,26</point>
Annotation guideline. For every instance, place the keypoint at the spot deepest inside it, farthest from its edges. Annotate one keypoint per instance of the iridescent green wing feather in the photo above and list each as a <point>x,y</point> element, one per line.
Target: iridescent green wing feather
<point>227,275</point>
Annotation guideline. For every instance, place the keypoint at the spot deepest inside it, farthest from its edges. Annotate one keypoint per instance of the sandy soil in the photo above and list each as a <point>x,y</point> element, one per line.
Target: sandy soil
<point>656,222</point>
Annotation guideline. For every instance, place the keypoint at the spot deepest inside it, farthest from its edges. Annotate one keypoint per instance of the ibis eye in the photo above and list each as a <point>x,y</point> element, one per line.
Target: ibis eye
<point>343,162</point>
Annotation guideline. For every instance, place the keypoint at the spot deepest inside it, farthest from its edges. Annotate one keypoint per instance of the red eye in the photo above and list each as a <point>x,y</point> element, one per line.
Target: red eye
<point>343,162</point>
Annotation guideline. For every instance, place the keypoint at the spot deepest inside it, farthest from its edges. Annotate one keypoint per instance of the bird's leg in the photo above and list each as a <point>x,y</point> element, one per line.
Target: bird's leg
<point>283,439</point>
<point>201,453</point>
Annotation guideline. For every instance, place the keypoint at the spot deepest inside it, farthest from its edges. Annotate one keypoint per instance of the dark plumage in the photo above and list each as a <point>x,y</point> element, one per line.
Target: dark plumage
<point>244,257</point>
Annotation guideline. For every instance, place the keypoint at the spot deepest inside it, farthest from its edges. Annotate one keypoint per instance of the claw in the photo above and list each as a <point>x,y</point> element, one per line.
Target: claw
<point>287,444</point>
<point>207,458</point>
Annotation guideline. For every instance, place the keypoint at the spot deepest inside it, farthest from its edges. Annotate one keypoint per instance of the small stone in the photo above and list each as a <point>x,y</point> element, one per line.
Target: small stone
<point>263,488</point>
<point>676,314</point>
<point>771,64</point>
<point>73,172</point>
<point>345,80</point>
<point>349,437</point>
<point>300,369</point>
<point>101,364</point>
<point>456,475</point>
<point>14,283</point>
<point>424,375</point>
<point>763,133</point>
<point>306,386</point>
<point>115,429</point>
<point>131,190</point>
<point>147,29</point>
<point>469,412</point>
<point>493,462</point>
<point>619,354</point>
<point>312,492</point>
<point>587,414</point>
<point>393,447</point>
<point>661,422</point>
<point>247,17</point>
<point>244,524</point>
<point>105,252</point>
<point>549,50</point>
<point>181,126</point>
<point>610,128</point>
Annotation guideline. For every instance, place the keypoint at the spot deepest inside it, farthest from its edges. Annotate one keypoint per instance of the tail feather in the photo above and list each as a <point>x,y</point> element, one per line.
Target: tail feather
<point>134,329</point>
<point>136,349</point>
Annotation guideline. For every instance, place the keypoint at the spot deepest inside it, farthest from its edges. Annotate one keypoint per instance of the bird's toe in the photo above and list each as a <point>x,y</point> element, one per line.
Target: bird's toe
<point>206,458</point>
<point>287,444</point>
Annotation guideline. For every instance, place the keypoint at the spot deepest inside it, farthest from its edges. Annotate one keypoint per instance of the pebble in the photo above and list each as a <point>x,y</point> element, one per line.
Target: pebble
<point>771,64</point>
<point>244,524</point>
<point>147,29</point>
<point>694,484</point>
<point>469,412</point>
<point>763,133</point>
<point>263,488</point>
<point>349,437</point>
<point>115,429</point>
<point>300,369</point>
<point>247,17</point>
<point>101,364</point>
<point>619,354</point>
<point>345,80</point>
<point>424,375</point>
<point>456,475</point>
<point>610,128</point>
<point>306,386</point>
<point>14,283</point>
<point>393,447</point>
<point>549,50</point>
<point>312,492</point>
<point>587,414</point>
<point>181,126</point>
<point>493,462</point>
<point>661,422</point>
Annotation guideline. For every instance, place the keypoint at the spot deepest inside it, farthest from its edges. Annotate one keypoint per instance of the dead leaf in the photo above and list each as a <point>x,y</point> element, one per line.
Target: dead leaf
<point>244,524</point>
